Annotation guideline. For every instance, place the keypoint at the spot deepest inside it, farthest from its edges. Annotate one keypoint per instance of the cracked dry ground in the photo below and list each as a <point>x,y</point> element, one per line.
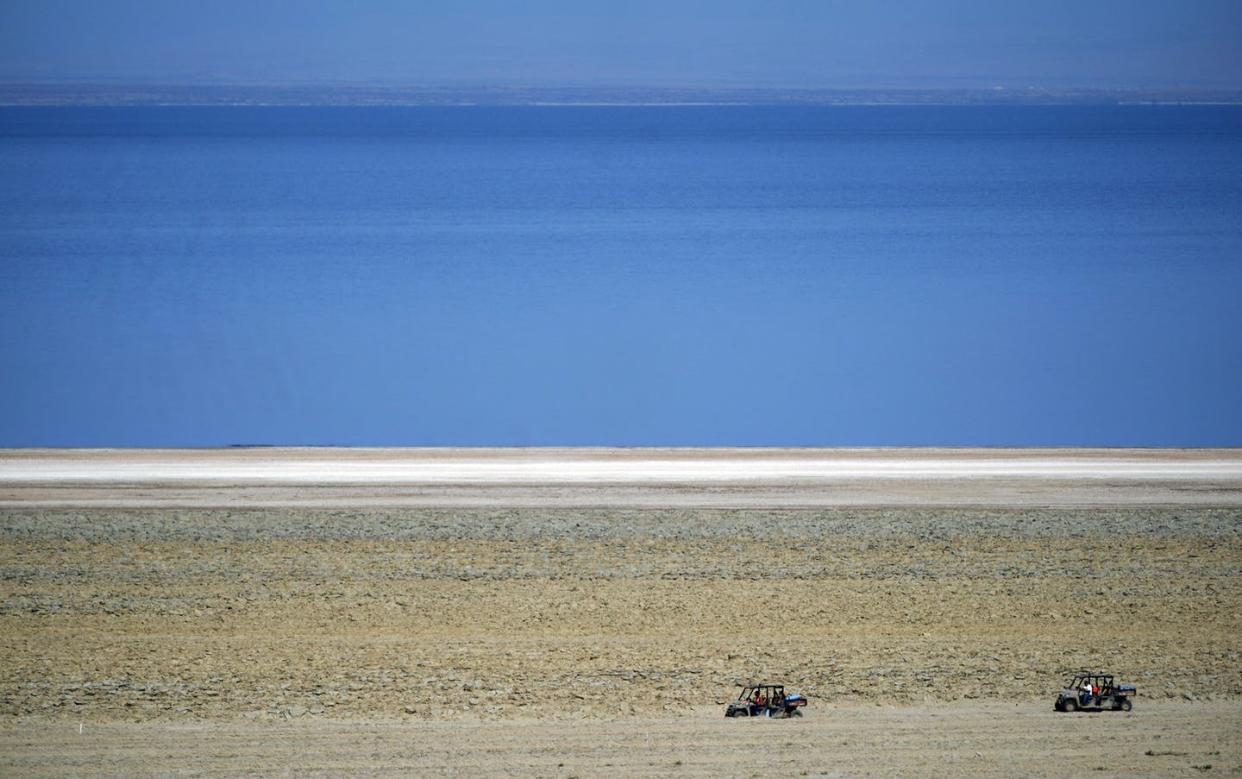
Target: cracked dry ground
<point>475,614</point>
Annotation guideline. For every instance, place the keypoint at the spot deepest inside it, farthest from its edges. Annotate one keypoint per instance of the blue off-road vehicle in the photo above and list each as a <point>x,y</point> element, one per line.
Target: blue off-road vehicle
<point>1095,691</point>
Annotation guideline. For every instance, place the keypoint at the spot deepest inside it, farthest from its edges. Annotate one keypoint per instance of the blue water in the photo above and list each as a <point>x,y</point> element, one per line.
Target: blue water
<point>681,275</point>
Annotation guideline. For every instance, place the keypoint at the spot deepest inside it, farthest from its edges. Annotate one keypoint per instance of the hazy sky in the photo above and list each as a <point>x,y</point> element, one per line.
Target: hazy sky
<point>791,43</point>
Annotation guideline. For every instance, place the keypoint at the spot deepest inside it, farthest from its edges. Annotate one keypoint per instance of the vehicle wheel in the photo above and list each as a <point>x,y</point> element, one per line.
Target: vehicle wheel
<point>796,713</point>
<point>1071,705</point>
<point>1126,705</point>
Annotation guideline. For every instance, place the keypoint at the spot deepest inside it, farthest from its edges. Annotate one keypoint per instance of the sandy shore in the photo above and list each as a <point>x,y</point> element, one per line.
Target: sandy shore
<point>588,612</point>
<point>620,477</point>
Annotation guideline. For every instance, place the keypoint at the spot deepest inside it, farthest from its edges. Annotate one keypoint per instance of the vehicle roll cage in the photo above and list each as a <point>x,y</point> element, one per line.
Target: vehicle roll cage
<point>773,690</point>
<point>1098,679</point>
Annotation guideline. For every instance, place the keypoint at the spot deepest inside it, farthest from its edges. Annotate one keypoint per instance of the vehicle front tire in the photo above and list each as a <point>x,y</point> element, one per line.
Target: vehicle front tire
<point>1126,705</point>
<point>1071,706</point>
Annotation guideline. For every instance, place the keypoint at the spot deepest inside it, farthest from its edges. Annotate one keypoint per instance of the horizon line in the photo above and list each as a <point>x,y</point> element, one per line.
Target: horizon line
<point>353,94</point>
<point>640,447</point>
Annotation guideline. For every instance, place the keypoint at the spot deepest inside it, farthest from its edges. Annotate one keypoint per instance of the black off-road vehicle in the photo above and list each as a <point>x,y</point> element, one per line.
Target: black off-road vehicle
<point>1095,691</point>
<point>766,700</point>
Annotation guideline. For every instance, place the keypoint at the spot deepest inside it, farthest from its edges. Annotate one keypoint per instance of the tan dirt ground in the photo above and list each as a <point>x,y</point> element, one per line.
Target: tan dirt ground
<point>977,740</point>
<point>460,640</point>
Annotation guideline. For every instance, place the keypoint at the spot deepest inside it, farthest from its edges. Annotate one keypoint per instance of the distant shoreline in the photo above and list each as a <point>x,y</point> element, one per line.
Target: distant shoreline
<point>620,478</point>
<point>177,95</point>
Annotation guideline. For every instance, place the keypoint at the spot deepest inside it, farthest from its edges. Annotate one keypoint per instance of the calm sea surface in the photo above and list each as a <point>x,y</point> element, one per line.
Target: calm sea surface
<point>681,275</point>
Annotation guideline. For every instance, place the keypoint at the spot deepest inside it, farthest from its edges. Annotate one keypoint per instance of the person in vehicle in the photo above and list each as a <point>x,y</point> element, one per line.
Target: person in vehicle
<point>1087,692</point>
<point>761,701</point>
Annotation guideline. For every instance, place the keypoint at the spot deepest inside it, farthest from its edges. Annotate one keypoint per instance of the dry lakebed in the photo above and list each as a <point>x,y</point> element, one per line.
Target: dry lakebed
<point>588,612</point>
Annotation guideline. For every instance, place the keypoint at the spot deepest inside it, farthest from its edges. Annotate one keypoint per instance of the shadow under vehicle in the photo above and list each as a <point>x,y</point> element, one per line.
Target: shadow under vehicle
<point>1095,691</point>
<point>766,700</point>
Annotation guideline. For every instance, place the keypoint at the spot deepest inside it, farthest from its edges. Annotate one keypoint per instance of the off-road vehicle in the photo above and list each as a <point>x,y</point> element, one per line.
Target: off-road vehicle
<point>766,700</point>
<point>1095,691</point>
